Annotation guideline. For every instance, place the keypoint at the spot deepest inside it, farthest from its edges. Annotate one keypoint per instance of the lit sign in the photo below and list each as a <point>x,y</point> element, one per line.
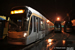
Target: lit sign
<point>17,11</point>
<point>2,17</point>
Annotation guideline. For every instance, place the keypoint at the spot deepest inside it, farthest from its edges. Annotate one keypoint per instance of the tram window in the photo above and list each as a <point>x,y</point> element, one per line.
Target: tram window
<point>25,25</point>
<point>34,25</point>
<point>29,13</point>
<point>43,25</point>
<point>39,24</point>
<point>46,27</point>
<point>30,30</point>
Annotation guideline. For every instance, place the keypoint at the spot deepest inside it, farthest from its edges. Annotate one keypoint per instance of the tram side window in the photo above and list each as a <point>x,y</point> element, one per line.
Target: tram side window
<point>34,24</point>
<point>46,26</point>
<point>43,25</point>
<point>39,24</point>
<point>50,25</point>
<point>30,30</point>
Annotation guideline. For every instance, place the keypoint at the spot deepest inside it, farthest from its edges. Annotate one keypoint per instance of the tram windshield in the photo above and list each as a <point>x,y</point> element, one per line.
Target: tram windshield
<point>68,24</point>
<point>18,23</point>
<point>58,25</point>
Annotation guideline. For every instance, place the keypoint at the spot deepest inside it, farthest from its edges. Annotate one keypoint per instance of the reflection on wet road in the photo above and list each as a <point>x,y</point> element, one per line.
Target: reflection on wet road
<point>43,45</point>
<point>53,41</point>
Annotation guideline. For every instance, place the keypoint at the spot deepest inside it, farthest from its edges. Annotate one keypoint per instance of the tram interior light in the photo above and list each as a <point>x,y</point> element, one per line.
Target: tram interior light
<point>41,22</point>
<point>47,21</point>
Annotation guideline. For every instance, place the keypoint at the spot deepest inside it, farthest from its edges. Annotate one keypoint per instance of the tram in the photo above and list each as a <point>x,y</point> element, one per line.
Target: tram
<point>57,26</point>
<point>3,27</point>
<point>68,26</point>
<point>73,25</point>
<point>26,26</point>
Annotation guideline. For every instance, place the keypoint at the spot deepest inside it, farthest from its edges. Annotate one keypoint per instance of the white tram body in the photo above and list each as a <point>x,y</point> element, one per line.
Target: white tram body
<point>27,26</point>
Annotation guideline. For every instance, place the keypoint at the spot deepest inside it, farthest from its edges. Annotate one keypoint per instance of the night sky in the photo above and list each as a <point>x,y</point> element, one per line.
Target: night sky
<point>49,8</point>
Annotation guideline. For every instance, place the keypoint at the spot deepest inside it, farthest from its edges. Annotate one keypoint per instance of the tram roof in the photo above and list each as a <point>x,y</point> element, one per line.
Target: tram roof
<point>35,11</point>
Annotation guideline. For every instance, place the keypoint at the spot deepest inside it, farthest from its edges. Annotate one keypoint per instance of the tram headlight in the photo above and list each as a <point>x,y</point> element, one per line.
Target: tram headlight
<point>25,34</point>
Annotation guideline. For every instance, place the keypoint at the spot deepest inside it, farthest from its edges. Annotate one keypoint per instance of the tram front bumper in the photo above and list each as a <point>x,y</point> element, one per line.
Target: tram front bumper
<point>17,41</point>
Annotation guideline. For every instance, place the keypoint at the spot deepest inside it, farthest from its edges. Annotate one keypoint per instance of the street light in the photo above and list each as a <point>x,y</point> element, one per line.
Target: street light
<point>58,19</point>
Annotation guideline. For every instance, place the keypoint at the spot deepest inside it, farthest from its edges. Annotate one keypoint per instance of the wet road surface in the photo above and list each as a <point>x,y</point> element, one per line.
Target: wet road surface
<point>53,41</point>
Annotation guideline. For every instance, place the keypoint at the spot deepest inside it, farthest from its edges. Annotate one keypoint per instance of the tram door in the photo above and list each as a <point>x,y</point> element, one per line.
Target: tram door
<point>2,25</point>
